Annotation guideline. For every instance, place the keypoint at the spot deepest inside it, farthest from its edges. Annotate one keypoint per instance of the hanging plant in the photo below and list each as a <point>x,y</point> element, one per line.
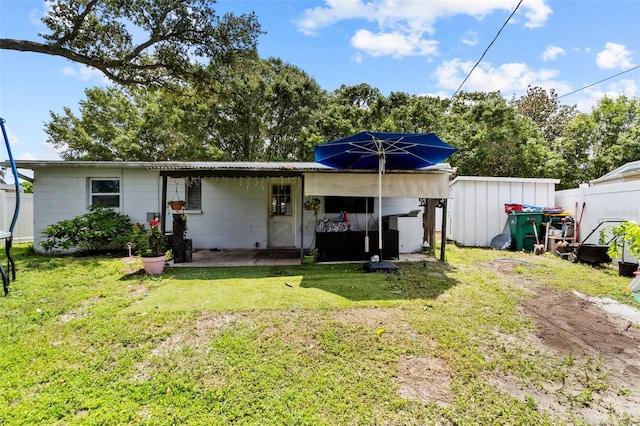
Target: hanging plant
<point>176,204</point>
<point>312,204</point>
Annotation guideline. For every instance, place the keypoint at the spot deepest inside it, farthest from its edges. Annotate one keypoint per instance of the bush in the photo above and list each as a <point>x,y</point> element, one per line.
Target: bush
<point>99,230</point>
<point>625,234</point>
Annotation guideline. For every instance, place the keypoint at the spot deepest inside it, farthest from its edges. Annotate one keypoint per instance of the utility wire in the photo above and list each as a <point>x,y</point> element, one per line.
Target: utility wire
<point>487,49</point>
<point>598,82</point>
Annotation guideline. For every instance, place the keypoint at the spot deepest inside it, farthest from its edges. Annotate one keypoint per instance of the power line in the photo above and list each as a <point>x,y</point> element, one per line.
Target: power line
<point>598,82</point>
<point>487,49</point>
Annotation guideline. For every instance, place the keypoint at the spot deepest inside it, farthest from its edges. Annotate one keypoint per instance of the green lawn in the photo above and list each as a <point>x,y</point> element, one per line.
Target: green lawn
<point>85,342</point>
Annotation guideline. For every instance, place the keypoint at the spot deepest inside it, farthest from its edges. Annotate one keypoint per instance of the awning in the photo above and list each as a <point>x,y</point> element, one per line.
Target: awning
<point>398,185</point>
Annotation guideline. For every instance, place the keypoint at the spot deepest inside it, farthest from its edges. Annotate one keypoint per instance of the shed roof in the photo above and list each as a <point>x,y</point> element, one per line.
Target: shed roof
<point>504,179</point>
<point>627,172</point>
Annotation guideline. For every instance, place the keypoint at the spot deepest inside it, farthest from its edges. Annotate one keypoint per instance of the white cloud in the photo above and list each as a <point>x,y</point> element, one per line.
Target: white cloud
<point>404,23</point>
<point>552,52</point>
<point>26,156</point>
<point>613,56</point>
<point>413,13</point>
<point>470,38</point>
<point>393,44</point>
<point>14,141</point>
<point>537,13</point>
<point>587,99</point>
<point>510,78</point>
<point>84,73</point>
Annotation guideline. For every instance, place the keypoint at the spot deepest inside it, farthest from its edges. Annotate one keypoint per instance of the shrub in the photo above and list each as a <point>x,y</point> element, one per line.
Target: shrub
<point>625,234</point>
<point>148,243</point>
<point>99,230</point>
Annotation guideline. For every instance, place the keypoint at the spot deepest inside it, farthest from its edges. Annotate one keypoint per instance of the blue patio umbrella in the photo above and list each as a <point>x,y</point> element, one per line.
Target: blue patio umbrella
<point>383,151</point>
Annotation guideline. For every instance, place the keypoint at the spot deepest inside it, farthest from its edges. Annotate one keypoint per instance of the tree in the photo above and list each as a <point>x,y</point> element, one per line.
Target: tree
<point>292,99</point>
<point>104,34</point>
<point>253,110</point>
<point>131,124</point>
<point>546,111</point>
<point>493,139</point>
<point>410,113</point>
<point>611,133</point>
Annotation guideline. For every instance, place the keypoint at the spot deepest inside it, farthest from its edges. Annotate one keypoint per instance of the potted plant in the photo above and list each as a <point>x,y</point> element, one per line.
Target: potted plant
<point>312,204</point>
<point>176,204</point>
<point>310,256</point>
<point>150,245</point>
<point>625,234</point>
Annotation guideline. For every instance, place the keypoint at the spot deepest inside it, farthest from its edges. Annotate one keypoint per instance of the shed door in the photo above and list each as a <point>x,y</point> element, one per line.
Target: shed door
<point>281,218</point>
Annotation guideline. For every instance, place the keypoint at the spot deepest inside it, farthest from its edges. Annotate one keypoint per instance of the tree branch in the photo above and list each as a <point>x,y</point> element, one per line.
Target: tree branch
<point>78,22</point>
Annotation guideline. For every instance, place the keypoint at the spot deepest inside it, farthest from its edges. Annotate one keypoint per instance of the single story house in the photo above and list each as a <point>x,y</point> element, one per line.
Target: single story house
<point>242,205</point>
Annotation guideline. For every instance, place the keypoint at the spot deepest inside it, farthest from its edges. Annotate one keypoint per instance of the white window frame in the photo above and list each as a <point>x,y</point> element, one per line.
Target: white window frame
<point>92,194</point>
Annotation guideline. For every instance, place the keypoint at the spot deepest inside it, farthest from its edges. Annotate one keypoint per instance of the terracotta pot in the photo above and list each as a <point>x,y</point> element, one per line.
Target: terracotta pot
<point>154,265</point>
<point>176,205</point>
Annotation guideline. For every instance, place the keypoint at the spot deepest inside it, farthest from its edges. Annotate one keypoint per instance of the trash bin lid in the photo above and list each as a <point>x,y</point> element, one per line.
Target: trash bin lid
<point>501,242</point>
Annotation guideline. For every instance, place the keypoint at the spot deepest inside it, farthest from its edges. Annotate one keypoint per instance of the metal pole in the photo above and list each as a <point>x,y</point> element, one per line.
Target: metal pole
<point>380,166</point>
<point>302,220</point>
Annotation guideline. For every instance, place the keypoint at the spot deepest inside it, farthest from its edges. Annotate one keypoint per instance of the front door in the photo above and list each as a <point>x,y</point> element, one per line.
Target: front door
<point>281,217</point>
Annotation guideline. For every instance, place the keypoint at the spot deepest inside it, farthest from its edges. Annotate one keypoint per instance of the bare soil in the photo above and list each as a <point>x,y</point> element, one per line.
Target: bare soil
<point>603,345</point>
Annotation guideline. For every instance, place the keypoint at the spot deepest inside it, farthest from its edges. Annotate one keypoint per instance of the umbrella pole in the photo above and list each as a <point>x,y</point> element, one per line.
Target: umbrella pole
<point>380,165</point>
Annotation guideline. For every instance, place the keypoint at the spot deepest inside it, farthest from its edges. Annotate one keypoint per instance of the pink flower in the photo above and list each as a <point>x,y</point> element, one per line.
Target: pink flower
<point>154,222</point>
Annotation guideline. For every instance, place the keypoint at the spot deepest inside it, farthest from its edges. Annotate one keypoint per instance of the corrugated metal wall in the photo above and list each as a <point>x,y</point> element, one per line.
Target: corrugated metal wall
<point>476,206</point>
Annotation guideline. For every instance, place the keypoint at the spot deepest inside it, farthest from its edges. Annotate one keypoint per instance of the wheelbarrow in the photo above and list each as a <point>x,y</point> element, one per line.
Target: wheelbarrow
<point>594,254</point>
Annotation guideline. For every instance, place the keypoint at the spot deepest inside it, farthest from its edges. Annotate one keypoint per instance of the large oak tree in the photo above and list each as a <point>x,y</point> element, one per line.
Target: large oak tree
<point>142,42</point>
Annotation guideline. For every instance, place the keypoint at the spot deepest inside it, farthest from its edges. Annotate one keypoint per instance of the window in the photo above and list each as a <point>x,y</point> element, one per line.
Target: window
<point>281,200</point>
<point>193,191</point>
<point>105,192</point>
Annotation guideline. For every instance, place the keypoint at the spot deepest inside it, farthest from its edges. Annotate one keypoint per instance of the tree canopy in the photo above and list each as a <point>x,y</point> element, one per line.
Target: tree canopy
<point>189,86</point>
<point>142,42</point>
<point>256,114</point>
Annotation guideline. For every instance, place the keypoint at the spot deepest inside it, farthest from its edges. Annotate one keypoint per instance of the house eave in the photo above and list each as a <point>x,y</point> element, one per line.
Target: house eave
<point>175,168</point>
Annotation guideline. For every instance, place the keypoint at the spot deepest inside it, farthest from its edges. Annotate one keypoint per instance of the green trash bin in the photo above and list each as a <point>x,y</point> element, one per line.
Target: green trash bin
<point>521,226</point>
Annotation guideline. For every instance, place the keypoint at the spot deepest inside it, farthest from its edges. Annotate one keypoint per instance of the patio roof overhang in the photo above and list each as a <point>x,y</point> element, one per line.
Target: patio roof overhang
<point>223,169</point>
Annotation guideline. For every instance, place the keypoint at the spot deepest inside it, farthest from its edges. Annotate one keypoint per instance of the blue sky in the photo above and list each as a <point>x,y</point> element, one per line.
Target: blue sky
<point>413,46</point>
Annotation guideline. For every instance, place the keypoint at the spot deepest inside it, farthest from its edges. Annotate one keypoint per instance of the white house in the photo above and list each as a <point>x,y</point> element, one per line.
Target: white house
<point>235,205</point>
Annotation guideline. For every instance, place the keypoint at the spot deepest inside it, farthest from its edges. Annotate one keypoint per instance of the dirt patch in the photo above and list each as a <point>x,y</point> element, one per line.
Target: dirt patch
<point>425,379</point>
<point>603,345</point>
<point>195,336</point>
<point>371,317</point>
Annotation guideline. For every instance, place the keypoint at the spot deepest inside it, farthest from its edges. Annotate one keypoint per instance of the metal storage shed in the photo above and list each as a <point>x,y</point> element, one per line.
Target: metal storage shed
<point>476,212</point>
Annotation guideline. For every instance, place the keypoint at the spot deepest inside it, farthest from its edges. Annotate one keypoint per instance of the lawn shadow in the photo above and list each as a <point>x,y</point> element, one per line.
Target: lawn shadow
<point>284,287</point>
<point>419,280</point>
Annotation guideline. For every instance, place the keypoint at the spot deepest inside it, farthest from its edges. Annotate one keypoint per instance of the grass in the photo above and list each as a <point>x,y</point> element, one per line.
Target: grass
<point>242,289</point>
<point>85,343</point>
